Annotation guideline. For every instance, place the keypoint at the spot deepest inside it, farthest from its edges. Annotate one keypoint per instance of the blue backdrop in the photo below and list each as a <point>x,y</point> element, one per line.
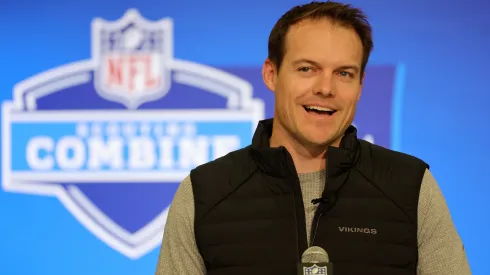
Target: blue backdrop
<point>426,95</point>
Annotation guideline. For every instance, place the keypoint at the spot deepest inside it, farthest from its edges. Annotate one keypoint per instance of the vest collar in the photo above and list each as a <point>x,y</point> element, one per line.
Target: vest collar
<point>278,162</point>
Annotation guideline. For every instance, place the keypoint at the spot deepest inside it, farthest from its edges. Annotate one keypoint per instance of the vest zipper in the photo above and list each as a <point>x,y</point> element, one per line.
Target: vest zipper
<point>318,214</point>
<point>314,225</point>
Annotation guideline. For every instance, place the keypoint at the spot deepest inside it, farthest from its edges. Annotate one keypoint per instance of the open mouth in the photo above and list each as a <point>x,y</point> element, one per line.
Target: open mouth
<point>319,110</point>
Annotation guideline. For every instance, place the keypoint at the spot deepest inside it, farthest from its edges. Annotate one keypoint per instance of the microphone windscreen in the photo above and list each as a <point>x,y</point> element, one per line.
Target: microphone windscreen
<point>313,255</point>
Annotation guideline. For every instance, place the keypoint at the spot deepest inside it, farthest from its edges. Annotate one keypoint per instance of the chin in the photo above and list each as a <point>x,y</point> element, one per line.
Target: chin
<point>320,140</point>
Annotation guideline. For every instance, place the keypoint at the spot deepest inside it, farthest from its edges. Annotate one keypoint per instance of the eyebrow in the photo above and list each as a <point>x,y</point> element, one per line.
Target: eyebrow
<point>349,67</point>
<point>299,61</point>
<point>316,64</point>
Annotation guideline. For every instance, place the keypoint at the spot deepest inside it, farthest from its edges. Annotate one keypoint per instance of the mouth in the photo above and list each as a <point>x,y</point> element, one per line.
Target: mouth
<point>319,110</point>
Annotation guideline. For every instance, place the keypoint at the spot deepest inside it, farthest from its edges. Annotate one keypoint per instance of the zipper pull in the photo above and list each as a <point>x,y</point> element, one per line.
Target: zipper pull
<point>319,200</point>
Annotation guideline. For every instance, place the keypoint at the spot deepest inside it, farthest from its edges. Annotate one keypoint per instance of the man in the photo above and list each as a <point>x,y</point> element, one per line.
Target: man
<point>307,179</point>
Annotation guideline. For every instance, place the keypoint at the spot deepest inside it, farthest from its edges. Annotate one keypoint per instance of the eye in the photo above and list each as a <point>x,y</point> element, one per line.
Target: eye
<point>346,74</point>
<point>304,69</point>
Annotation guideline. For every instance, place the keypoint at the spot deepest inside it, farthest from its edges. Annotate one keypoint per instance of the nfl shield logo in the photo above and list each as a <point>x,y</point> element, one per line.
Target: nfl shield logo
<point>68,132</point>
<point>132,58</point>
<point>314,269</point>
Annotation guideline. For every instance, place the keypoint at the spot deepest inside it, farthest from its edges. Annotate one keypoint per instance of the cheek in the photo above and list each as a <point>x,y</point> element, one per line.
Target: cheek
<point>351,109</point>
<point>349,103</point>
<point>287,98</point>
<point>283,106</point>
<point>290,93</point>
<point>349,94</point>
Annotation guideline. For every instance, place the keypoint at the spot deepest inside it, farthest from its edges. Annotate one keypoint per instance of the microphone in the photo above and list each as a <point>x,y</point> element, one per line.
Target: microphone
<point>315,261</point>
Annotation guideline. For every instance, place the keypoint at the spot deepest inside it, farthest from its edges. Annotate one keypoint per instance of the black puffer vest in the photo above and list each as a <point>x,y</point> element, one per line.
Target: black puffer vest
<point>249,212</point>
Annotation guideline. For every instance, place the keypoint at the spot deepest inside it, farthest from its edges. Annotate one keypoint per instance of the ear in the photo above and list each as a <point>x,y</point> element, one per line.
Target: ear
<point>269,74</point>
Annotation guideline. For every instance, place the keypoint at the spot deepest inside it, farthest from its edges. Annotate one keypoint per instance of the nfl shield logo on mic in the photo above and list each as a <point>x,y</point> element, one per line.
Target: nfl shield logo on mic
<point>132,57</point>
<point>314,269</point>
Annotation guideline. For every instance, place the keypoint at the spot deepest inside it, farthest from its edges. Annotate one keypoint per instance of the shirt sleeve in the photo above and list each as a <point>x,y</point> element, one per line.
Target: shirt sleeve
<point>441,250</point>
<point>178,252</point>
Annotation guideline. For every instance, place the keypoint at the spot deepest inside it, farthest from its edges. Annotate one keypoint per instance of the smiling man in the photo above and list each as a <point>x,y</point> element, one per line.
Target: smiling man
<point>307,180</point>
<point>316,71</point>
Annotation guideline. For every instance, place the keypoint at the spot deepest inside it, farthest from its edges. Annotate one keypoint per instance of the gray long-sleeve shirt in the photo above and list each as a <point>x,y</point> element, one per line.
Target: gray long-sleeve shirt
<point>441,251</point>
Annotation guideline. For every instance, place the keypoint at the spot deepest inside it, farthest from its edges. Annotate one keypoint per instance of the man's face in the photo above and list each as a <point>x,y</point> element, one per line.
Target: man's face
<point>319,83</point>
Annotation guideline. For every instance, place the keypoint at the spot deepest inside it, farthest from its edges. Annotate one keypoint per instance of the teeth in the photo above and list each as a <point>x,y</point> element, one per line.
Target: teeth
<point>318,108</point>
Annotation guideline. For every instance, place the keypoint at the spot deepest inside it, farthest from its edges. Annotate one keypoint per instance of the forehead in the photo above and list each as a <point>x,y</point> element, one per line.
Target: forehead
<point>323,41</point>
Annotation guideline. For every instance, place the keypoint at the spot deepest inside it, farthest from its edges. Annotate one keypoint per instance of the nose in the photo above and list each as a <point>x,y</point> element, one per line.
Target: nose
<point>324,85</point>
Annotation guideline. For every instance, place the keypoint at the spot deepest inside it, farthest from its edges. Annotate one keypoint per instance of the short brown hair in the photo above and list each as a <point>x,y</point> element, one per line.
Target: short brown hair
<point>337,12</point>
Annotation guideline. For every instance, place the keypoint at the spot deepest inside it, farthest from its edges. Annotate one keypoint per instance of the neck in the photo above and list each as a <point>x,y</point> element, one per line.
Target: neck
<point>306,157</point>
